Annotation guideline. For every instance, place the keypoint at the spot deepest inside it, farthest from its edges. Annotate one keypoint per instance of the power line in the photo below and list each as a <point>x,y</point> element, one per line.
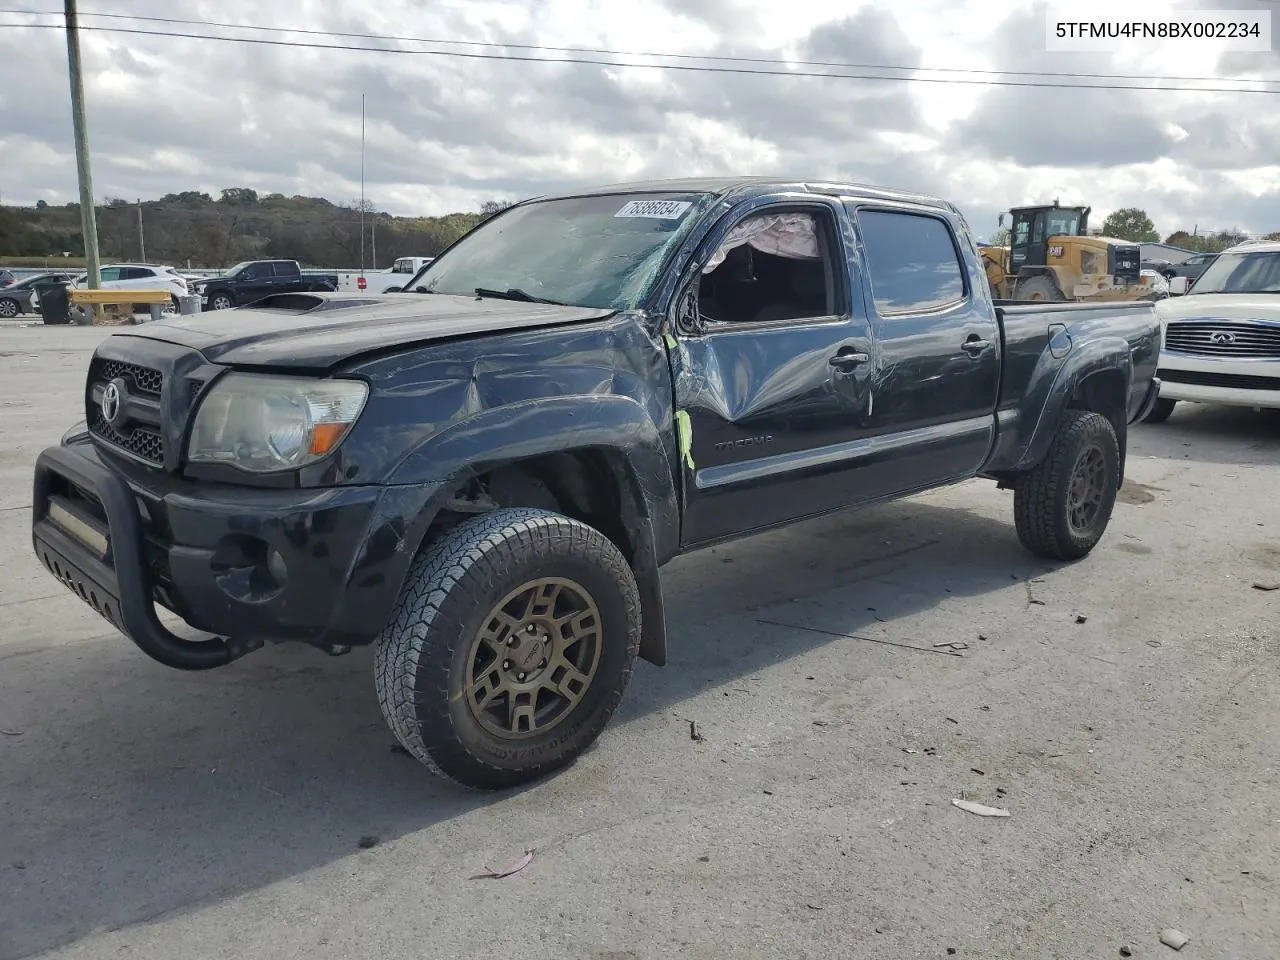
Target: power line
<point>637,53</point>
<point>680,67</point>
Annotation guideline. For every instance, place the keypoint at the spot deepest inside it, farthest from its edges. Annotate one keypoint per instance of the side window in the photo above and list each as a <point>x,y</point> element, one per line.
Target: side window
<point>912,262</point>
<point>770,266</point>
<point>255,272</point>
<point>1037,229</point>
<point>109,274</point>
<point>135,273</point>
<point>1022,232</point>
<point>285,269</point>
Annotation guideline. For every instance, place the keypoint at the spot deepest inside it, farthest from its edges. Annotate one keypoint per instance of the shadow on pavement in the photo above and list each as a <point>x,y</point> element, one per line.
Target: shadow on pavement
<point>135,791</point>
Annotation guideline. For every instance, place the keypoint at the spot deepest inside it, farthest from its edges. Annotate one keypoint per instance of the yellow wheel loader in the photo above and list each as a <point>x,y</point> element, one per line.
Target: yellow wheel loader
<point>1051,257</point>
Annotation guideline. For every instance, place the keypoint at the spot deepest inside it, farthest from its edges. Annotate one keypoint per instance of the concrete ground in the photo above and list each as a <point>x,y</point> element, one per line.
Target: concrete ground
<point>1123,709</point>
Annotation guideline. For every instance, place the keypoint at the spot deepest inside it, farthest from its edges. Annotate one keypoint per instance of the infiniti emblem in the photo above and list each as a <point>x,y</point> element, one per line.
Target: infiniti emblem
<point>1222,337</point>
<point>112,401</point>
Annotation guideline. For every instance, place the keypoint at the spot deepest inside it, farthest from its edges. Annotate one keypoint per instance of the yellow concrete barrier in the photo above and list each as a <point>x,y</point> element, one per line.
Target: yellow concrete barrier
<point>112,306</point>
<point>86,297</point>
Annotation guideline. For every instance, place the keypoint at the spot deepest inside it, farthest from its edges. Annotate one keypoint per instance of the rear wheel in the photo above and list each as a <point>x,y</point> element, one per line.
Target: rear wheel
<point>1038,288</point>
<point>509,648</point>
<point>1062,507</point>
<point>1160,412</point>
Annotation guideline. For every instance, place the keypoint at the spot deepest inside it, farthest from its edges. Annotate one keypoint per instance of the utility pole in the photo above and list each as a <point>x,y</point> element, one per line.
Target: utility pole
<point>373,240</point>
<point>362,184</point>
<point>142,243</point>
<point>88,218</point>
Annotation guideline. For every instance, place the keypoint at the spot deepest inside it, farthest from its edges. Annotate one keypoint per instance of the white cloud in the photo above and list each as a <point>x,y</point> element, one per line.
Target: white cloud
<point>444,133</point>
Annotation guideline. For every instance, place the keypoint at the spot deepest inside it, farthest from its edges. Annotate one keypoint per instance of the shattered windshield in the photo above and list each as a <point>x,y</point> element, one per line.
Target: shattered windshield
<point>598,251</point>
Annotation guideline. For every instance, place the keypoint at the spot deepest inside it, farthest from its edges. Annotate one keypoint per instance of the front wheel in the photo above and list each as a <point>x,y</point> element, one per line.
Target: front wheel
<point>1160,411</point>
<point>1063,505</point>
<point>509,647</point>
<point>221,301</point>
<point>9,308</point>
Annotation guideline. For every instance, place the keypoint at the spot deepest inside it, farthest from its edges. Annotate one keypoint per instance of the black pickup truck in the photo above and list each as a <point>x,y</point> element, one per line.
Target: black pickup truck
<point>484,479</point>
<point>248,282</point>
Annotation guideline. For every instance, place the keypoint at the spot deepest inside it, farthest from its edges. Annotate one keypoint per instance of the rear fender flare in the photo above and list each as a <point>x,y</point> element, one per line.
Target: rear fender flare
<point>1096,356</point>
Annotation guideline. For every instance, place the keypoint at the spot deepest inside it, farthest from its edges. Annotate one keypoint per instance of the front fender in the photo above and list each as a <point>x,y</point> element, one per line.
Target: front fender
<point>1048,395</point>
<point>616,425</point>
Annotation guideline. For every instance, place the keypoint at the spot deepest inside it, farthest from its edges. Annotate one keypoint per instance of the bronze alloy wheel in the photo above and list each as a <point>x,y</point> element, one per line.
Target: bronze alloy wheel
<point>533,658</point>
<point>1087,488</point>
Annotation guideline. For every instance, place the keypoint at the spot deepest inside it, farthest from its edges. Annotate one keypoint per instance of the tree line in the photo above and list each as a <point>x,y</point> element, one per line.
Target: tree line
<point>1133,224</point>
<point>193,229</point>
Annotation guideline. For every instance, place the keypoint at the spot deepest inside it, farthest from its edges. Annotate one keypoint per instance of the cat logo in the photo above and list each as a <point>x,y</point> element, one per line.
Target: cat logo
<point>744,442</point>
<point>1055,251</point>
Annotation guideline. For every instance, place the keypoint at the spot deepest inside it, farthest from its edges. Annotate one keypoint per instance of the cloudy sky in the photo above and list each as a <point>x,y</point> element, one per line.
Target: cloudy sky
<point>446,133</point>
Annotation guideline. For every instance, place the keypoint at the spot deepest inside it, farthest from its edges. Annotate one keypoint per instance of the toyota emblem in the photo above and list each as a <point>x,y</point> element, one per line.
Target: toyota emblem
<point>1222,337</point>
<point>112,401</point>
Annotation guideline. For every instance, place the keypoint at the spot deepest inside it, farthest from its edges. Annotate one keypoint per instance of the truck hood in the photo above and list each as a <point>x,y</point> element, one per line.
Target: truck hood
<point>320,330</point>
<point>1220,306</point>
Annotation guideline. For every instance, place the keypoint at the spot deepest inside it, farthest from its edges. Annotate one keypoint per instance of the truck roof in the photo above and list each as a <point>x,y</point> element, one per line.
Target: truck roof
<point>724,185</point>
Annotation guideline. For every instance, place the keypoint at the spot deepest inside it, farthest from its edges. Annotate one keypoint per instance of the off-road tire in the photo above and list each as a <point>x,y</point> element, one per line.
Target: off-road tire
<point>1042,499</point>
<point>1161,411</point>
<point>422,655</point>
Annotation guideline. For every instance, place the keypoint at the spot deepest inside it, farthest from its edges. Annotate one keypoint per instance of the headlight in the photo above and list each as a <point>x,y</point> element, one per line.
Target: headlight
<point>265,423</point>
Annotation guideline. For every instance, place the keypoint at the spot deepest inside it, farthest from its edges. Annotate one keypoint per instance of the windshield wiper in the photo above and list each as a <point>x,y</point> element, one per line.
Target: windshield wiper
<point>514,293</point>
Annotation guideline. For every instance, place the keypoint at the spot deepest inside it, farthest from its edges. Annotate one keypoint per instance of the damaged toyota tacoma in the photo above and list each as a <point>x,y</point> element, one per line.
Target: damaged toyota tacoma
<point>484,474</point>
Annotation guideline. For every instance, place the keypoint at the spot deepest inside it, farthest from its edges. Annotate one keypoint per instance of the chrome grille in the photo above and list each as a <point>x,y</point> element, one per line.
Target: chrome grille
<point>1223,338</point>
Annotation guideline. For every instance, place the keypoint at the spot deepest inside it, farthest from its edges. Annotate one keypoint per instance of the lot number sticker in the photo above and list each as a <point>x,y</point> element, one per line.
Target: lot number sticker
<point>655,209</point>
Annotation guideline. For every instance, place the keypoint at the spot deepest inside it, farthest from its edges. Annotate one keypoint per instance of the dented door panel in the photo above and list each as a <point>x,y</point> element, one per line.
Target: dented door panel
<point>774,409</point>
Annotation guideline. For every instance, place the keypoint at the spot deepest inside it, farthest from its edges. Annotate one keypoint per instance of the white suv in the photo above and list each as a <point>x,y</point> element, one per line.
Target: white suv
<point>137,276</point>
<point>1222,337</point>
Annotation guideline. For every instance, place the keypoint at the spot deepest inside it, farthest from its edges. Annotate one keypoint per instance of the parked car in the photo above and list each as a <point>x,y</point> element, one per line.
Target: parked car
<point>131,276</point>
<point>254,279</point>
<point>483,479</point>
<point>1222,339</point>
<point>1159,285</point>
<point>135,276</point>
<point>17,297</point>
<point>7,278</point>
<point>1192,267</point>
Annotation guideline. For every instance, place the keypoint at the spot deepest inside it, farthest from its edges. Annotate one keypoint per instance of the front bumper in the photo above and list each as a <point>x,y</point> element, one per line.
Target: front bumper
<point>1238,383</point>
<point>253,565</point>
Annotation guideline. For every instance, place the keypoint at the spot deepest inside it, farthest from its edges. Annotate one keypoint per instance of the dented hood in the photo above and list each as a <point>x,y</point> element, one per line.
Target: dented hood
<point>319,331</point>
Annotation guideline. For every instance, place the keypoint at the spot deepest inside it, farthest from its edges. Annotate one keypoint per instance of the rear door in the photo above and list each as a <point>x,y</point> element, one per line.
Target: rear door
<point>287,277</point>
<point>937,377</point>
<point>140,278</point>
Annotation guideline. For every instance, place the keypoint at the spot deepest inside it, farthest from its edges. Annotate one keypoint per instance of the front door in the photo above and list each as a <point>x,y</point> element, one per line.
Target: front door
<point>1028,246</point>
<point>937,381</point>
<point>771,388</point>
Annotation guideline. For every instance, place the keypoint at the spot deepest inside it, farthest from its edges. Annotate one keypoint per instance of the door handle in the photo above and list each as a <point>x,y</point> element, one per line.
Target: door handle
<point>847,359</point>
<point>974,346</point>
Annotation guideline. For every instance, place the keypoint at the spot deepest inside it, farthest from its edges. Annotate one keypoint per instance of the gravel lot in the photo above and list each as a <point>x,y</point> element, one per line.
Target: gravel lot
<point>1124,709</point>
